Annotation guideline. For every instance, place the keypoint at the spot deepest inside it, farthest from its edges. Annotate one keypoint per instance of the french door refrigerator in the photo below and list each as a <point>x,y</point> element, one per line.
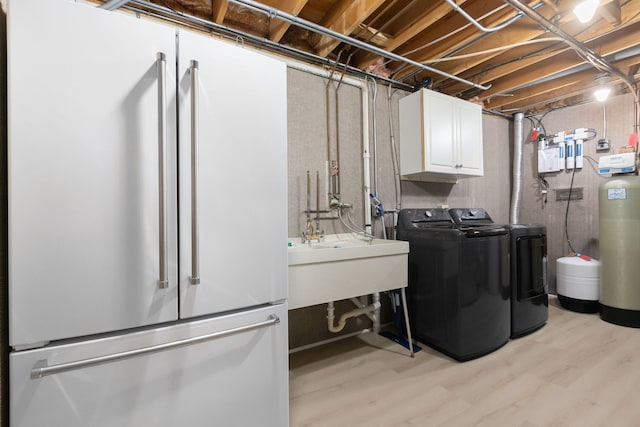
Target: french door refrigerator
<point>146,223</point>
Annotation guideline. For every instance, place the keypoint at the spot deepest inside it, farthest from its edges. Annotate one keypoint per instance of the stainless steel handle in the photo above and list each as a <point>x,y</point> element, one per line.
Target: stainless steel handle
<point>41,369</point>
<point>545,279</point>
<point>195,242</point>
<point>161,64</point>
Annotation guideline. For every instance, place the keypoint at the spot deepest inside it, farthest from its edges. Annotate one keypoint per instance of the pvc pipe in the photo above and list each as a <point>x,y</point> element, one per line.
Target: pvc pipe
<point>361,304</point>
<point>366,170</point>
<point>343,319</point>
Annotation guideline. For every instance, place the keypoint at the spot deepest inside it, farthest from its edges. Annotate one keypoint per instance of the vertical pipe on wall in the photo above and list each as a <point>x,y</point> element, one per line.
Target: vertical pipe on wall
<point>516,184</point>
<point>366,157</point>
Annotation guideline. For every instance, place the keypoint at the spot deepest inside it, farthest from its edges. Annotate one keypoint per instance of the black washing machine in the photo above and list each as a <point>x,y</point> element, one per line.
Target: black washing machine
<point>458,282</point>
<point>527,269</point>
<point>529,300</point>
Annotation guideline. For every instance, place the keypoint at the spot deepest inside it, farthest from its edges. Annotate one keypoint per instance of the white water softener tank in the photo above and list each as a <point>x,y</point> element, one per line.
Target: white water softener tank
<point>620,250</point>
<point>577,279</point>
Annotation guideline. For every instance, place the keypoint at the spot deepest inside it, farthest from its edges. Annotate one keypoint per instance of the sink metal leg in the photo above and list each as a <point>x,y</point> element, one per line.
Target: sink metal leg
<point>406,320</point>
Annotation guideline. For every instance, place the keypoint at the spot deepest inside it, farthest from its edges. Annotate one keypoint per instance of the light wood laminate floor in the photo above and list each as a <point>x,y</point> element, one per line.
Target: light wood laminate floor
<point>576,371</point>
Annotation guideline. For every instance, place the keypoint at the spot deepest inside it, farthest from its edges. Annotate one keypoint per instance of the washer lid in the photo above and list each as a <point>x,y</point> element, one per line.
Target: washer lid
<point>470,216</point>
<point>425,218</point>
<point>483,230</point>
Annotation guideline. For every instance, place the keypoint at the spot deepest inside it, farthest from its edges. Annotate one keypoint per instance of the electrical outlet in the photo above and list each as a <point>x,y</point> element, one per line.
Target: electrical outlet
<point>603,145</point>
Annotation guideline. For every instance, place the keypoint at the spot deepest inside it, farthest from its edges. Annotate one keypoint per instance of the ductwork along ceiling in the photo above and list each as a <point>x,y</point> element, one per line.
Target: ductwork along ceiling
<point>511,55</point>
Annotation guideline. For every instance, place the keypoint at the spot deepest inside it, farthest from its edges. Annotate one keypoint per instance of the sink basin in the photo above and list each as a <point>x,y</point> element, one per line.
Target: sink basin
<point>344,266</point>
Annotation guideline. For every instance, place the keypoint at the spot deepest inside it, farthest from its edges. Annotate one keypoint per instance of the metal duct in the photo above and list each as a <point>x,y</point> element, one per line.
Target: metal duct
<point>319,29</point>
<point>516,185</point>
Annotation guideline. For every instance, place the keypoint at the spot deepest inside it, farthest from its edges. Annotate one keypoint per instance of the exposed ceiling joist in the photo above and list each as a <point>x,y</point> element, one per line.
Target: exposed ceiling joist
<point>513,60</point>
<point>345,18</point>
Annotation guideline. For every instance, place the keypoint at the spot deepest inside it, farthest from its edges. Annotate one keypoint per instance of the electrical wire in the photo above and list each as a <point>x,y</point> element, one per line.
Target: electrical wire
<point>394,153</point>
<point>566,215</point>
<point>349,224</point>
<point>450,34</point>
<point>487,51</point>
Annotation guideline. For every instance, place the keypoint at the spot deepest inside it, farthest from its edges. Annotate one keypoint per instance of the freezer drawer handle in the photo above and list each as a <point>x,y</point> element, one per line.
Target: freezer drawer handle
<point>195,243</point>
<point>41,369</point>
<point>161,62</point>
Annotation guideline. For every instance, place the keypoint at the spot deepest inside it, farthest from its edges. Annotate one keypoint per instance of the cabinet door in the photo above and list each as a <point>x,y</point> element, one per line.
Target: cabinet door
<point>239,242</point>
<point>83,171</point>
<point>234,380</point>
<point>440,134</point>
<point>469,119</point>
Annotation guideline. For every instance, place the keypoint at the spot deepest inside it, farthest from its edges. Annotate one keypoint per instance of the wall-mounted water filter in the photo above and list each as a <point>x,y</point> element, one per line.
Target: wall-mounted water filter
<point>558,140</point>
<point>579,153</point>
<point>571,150</point>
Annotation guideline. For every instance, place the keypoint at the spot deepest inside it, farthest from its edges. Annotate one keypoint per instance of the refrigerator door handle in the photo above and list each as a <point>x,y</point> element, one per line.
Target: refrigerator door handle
<point>195,243</point>
<point>41,368</point>
<point>161,62</point>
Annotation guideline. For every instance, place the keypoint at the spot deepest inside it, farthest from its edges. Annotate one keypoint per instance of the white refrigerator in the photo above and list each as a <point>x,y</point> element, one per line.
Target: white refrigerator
<point>147,234</point>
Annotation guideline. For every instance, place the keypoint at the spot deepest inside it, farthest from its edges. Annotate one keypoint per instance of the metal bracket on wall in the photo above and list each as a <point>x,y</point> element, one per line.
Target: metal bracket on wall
<point>326,215</point>
<point>562,194</point>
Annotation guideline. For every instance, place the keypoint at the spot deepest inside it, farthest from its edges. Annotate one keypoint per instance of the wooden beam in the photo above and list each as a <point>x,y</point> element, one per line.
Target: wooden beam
<point>510,63</point>
<point>219,10</point>
<point>278,28</point>
<point>344,18</point>
<point>447,36</point>
<point>427,18</point>
<point>611,12</point>
<point>622,40</point>
<point>585,78</point>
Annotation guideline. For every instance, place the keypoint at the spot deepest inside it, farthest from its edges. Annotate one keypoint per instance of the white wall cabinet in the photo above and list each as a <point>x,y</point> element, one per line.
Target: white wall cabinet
<point>440,137</point>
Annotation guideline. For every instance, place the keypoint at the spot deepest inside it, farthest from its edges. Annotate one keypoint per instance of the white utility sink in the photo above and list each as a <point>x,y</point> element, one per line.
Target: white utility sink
<point>344,266</point>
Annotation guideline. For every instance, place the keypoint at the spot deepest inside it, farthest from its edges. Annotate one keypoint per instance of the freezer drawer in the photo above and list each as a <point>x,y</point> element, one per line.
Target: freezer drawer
<point>237,379</point>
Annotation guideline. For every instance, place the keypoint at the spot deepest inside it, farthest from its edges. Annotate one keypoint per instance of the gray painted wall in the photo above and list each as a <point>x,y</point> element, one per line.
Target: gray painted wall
<point>307,151</point>
<point>616,115</point>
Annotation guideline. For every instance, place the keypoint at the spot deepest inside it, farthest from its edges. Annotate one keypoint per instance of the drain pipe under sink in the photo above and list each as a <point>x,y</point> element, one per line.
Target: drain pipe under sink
<point>343,319</point>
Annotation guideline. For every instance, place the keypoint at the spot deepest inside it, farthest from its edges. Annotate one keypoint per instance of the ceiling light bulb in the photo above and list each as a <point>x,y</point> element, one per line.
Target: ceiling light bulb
<point>585,10</point>
<point>602,93</point>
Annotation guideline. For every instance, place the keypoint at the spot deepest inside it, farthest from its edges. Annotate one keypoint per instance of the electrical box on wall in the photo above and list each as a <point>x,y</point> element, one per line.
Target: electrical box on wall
<point>549,160</point>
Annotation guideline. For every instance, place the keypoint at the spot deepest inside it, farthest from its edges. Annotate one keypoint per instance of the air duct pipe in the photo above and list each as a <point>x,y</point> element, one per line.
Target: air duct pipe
<point>518,143</point>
